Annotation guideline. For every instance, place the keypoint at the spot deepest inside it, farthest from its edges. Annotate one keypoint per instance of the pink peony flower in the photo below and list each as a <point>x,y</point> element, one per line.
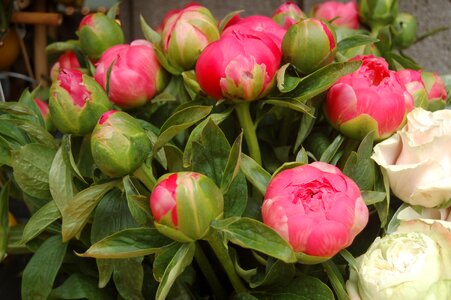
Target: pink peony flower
<point>342,14</point>
<point>67,60</point>
<point>287,14</point>
<point>238,66</point>
<point>136,75</point>
<point>371,98</point>
<point>316,208</point>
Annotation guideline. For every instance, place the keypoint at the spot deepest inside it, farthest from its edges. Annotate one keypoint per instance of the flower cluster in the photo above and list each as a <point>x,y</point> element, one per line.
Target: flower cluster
<point>254,145</point>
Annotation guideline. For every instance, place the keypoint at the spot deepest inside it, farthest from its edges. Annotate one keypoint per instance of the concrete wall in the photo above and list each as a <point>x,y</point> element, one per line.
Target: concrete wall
<point>432,53</point>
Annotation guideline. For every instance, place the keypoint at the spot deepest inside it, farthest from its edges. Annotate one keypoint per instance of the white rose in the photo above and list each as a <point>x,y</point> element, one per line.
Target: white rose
<point>417,159</point>
<point>412,263</point>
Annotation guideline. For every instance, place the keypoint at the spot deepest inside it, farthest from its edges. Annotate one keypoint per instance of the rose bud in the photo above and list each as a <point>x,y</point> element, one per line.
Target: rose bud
<point>96,33</point>
<point>427,88</point>
<point>45,113</point>
<point>119,144</point>
<point>406,30</point>
<point>371,98</point>
<point>67,60</point>
<point>184,204</point>
<point>316,208</point>
<point>136,75</point>
<point>287,14</point>
<point>341,14</point>
<point>377,13</point>
<point>76,102</point>
<point>414,263</point>
<point>262,24</point>
<point>186,33</point>
<point>239,66</point>
<point>309,45</point>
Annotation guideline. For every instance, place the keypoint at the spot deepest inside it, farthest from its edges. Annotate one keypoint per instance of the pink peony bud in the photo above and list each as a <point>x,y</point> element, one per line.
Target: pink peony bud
<point>186,33</point>
<point>239,66</point>
<point>427,88</point>
<point>184,204</point>
<point>316,208</point>
<point>341,14</point>
<point>261,24</point>
<point>371,98</point>
<point>45,113</point>
<point>287,14</point>
<point>67,60</point>
<point>136,75</point>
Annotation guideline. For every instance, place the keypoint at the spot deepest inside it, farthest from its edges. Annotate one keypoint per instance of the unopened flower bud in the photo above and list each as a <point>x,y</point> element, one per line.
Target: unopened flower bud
<point>287,14</point>
<point>406,30</point>
<point>378,13</point>
<point>119,144</point>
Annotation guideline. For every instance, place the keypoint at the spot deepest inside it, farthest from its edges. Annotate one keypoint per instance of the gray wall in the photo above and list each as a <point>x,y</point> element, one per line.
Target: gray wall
<point>432,53</point>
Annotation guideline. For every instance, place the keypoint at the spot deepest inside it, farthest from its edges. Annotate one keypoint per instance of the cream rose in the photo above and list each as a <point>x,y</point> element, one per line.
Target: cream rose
<point>417,159</point>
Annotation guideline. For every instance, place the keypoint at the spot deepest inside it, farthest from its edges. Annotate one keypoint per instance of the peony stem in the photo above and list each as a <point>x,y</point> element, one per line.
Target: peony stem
<point>145,175</point>
<point>224,258</point>
<point>209,273</point>
<point>245,119</point>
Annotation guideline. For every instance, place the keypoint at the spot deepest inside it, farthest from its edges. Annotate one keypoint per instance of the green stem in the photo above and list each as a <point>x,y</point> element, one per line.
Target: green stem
<point>145,175</point>
<point>245,119</point>
<point>209,273</point>
<point>224,258</point>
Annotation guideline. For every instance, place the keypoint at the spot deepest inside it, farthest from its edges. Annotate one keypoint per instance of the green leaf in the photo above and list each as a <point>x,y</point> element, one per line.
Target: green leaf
<point>31,165</point>
<point>256,175</point>
<point>252,234</point>
<point>336,279</point>
<point>276,272</point>
<point>349,259</point>
<point>128,277</point>
<point>79,209</point>
<point>15,108</point>
<point>293,104</point>
<point>180,121</point>
<point>300,288</point>
<point>79,286</point>
<point>405,62</point>
<point>322,79</point>
<point>127,243</point>
<point>227,18</point>
<point>138,204</point>
<point>113,11</point>
<point>355,41</point>
<point>41,270</point>
<point>163,258</point>
<point>150,34</point>
<point>175,158</point>
<point>305,127</point>
<point>285,82</point>
<point>12,135</point>
<point>176,266</point>
<point>373,197</point>
<point>233,164</point>
<point>382,185</point>
<point>60,47</point>
<point>4,224</point>
<point>38,133</point>
<point>69,157</point>
<point>40,220</point>
<point>302,156</point>
<point>60,181</point>
<point>360,166</point>
<point>332,149</point>
<point>27,99</point>
<point>174,70</point>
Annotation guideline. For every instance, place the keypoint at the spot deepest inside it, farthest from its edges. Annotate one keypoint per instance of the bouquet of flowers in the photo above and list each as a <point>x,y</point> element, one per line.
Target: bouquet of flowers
<point>295,156</point>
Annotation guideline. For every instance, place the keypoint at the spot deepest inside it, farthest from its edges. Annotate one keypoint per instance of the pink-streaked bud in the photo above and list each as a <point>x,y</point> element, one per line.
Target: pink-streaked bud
<point>309,45</point>
<point>184,204</point>
<point>239,66</point>
<point>427,88</point>
<point>371,98</point>
<point>76,102</point>
<point>341,14</point>
<point>97,32</point>
<point>287,14</point>
<point>186,33</point>
<point>136,75</point>
<point>261,24</point>
<point>45,113</point>
<point>67,60</point>
<point>119,145</point>
<point>316,208</point>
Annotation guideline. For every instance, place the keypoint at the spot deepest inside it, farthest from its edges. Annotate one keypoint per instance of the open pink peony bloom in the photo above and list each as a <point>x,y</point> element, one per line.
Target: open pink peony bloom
<point>239,66</point>
<point>342,14</point>
<point>262,24</point>
<point>136,75</point>
<point>316,208</point>
<point>371,98</point>
<point>287,14</point>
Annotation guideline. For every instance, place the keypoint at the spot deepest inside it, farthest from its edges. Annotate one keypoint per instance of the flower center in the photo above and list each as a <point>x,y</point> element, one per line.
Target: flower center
<point>313,196</point>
